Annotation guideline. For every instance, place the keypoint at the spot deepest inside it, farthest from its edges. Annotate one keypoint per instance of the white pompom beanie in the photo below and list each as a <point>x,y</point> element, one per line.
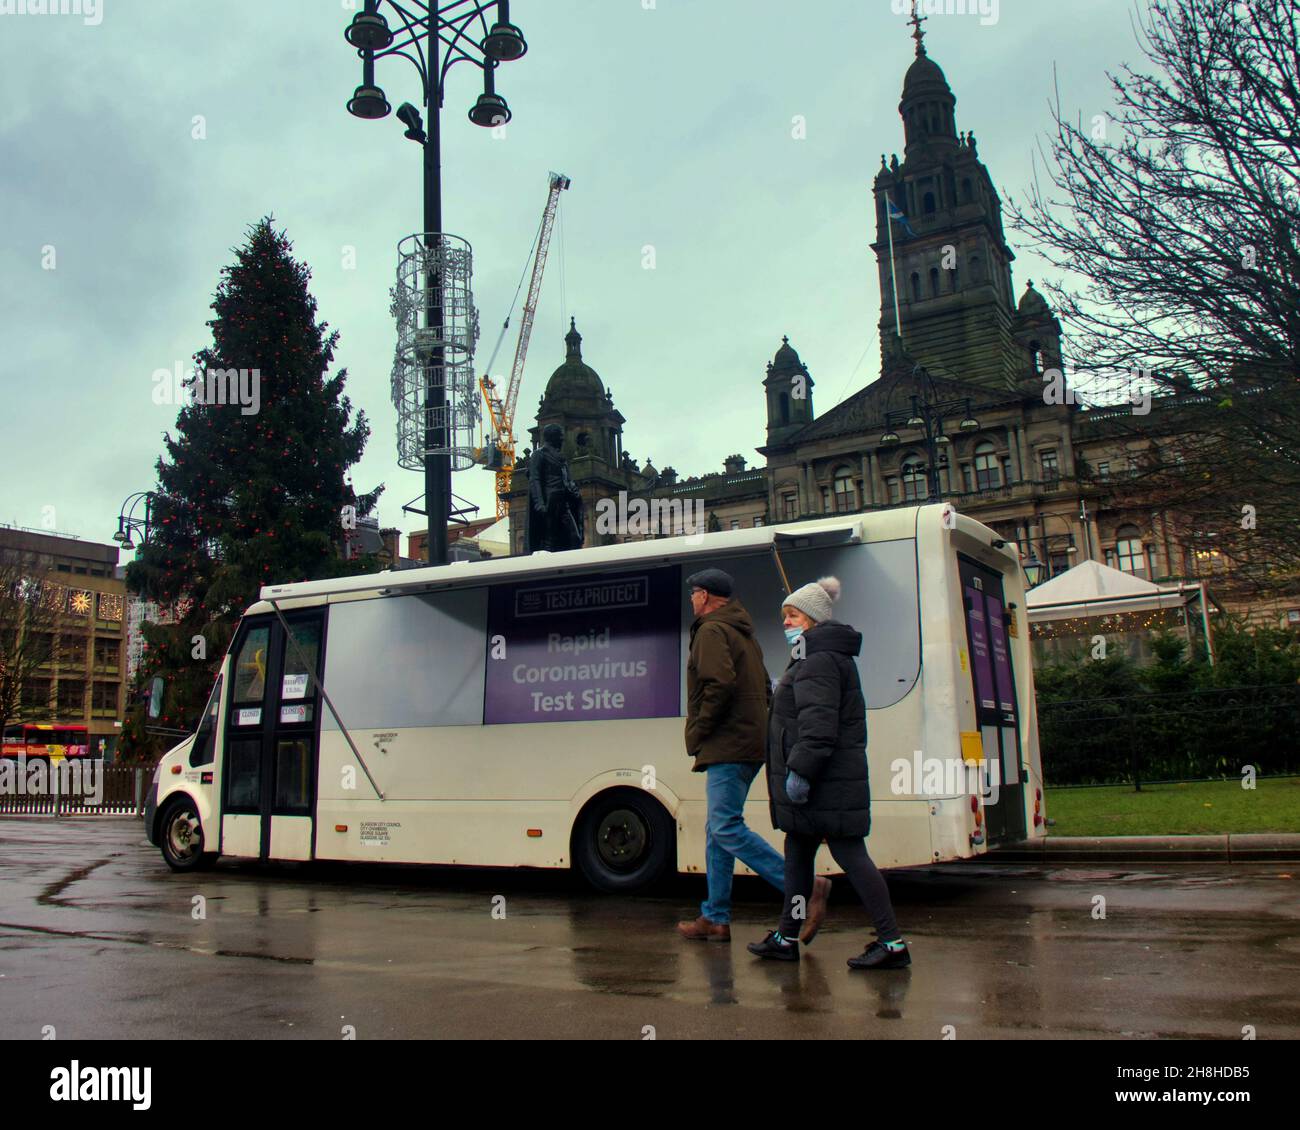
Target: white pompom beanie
<point>815,600</point>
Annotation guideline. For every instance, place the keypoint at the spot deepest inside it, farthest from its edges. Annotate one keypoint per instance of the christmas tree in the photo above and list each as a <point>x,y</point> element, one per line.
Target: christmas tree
<point>253,488</point>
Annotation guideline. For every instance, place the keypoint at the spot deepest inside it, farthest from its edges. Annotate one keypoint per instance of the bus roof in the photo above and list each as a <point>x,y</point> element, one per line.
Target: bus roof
<point>885,525</point>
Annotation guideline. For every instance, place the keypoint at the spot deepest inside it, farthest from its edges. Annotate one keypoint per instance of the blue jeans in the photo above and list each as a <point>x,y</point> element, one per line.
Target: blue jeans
<point>729,839</point>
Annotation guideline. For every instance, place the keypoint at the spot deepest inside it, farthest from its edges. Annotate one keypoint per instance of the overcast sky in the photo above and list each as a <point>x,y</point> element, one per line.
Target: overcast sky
<point>675,123</point>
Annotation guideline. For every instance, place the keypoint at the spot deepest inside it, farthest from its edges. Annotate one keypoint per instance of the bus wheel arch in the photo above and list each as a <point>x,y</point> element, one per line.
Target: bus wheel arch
<point>624,839</point>
<point>181,836</point>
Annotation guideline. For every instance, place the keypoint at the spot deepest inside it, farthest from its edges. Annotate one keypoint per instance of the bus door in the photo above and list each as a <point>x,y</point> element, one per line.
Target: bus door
<point>272,733</point>
<point>997,711</point>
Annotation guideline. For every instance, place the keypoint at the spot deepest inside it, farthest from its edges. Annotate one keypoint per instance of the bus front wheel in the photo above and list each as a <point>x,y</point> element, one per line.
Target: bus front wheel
<point>624,841</point>
<point>181,837</point>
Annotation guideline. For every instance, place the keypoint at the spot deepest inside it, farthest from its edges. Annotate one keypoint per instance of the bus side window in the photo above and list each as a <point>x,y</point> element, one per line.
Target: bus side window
<point>205,742</point>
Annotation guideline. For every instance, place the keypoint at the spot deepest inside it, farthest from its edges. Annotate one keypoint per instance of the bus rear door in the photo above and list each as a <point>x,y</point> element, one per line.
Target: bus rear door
<point>996,709</point>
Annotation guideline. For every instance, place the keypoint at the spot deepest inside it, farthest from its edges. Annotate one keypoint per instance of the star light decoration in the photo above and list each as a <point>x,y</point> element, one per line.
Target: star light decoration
<point>79,602</point>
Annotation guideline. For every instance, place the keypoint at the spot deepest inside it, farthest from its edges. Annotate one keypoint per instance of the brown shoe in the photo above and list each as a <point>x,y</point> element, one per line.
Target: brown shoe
<point>816,909</point>
<point>705,930</point>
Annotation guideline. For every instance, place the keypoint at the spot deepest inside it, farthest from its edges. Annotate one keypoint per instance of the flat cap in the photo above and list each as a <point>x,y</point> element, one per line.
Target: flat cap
<point>713,581</point>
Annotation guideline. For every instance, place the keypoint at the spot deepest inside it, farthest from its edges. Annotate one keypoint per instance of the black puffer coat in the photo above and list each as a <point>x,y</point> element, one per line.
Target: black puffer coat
<point>818,728</point>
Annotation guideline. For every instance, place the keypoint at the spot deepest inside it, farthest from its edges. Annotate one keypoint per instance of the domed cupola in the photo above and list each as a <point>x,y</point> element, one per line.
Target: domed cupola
<point>928,103</point>
<point>1032,304</point>
<point>574,380</point>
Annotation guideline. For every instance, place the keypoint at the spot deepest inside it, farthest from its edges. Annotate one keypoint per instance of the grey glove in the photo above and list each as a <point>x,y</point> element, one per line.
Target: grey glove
<point>797,788</point>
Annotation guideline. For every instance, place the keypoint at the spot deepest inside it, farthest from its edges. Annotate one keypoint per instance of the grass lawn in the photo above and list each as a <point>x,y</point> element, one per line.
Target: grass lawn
<point>1196,808</point>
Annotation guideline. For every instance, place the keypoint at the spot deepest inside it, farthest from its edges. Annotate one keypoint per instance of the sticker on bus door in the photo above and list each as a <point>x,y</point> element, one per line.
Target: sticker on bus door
<point>1001,657</point>
<point>980,649</point>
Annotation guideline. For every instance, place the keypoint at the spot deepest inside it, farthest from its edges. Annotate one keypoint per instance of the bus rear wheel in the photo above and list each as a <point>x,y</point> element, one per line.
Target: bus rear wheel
<point>624,841</point>
<point>181,837</point>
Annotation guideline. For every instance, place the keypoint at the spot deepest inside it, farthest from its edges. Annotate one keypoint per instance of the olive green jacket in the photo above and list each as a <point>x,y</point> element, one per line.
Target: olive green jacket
<point>727,689</point>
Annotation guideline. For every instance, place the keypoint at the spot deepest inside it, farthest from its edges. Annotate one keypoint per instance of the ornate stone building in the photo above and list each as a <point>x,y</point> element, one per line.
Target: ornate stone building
<point>1057,478</point>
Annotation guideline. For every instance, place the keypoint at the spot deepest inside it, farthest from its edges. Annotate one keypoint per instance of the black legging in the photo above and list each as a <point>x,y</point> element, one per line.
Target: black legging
<point>851,855</point>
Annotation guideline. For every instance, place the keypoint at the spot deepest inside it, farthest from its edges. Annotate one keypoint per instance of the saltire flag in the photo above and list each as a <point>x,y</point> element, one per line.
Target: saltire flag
<point>899,218</point>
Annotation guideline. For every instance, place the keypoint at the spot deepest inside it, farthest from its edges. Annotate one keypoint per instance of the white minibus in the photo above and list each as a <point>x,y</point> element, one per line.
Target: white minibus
<point>529,711</point>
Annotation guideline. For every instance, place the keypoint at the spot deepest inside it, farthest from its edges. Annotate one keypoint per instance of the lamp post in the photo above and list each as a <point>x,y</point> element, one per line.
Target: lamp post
<point>128,523</point>
<point>424,27</point>
<point>927,415</point>
<point>1036,570</point>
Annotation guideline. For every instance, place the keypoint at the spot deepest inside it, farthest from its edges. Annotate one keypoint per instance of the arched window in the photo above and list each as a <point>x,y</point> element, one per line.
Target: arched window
<point>846,493</point>
<point>916,287</point>
<point>967,190</point>
<point>915,486</point>
<point>1129,552</point>
<point>927,204</point>
<point>934,282</point>
<point>954,278</point>
<point>976,269</point>
<point>785,408</point>
<point>1035,358</point>
<point>987,474</point>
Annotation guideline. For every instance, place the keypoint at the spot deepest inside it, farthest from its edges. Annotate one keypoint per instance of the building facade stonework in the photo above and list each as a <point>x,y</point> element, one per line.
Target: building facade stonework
<point>1059,479</point>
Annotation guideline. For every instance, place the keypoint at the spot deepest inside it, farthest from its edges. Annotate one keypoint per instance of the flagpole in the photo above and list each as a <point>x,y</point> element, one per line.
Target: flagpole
<point>893,277</point>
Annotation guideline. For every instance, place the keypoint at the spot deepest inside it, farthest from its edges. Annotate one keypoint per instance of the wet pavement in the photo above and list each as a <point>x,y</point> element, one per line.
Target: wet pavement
<point>100,940</point>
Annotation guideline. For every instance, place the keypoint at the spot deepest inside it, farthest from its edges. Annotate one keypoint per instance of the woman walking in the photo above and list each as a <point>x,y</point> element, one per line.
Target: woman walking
<point>817,776</point>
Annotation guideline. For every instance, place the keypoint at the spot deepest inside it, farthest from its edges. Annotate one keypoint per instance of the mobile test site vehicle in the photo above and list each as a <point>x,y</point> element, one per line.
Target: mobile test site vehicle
<point>528,711</point>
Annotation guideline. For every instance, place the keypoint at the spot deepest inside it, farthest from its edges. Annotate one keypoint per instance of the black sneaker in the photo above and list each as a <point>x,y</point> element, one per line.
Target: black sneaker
<point>880,956</point>
<point>785,950</point>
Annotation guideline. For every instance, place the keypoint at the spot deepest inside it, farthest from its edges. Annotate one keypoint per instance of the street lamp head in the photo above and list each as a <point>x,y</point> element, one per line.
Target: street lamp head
<point>368,102</point>
<point>970,424</point>
<point>504,43</point>
<point>368,31</point>
<point>409,116</point>
<point>489,110</point>
<point>915,422</point>
<point>1034,569</point>
<point>888,438</point>
<point>942,439</point>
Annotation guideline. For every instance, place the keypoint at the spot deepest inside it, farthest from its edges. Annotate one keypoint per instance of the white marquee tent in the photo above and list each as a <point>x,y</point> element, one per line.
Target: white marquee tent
<point>1092,589</point>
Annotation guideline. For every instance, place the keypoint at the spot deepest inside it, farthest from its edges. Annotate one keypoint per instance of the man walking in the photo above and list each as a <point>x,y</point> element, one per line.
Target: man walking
<point>728,693</point>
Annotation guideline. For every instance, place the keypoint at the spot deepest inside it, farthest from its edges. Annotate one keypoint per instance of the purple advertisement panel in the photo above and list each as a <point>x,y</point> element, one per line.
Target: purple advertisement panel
<point>585,649</point>
<point>1001,656</point>
<point>979,646</point>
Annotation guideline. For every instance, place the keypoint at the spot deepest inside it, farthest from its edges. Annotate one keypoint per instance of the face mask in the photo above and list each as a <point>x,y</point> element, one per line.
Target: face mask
<point>792,634</point>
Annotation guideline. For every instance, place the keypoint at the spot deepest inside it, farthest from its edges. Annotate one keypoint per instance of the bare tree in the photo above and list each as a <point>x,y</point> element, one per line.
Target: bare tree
<point>1176,221</point>
<point>27,632</point>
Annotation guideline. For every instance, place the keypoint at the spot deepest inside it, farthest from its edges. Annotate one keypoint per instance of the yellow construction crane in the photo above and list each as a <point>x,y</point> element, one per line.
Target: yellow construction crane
<point>499,450</point>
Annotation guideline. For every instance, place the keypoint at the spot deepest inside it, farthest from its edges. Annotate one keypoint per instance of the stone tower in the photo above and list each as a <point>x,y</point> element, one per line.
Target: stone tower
<point>789,386</point>
<point>951,259</point>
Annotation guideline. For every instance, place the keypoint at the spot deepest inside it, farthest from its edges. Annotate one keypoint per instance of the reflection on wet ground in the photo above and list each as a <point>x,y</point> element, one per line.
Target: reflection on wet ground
<point>99,939</point>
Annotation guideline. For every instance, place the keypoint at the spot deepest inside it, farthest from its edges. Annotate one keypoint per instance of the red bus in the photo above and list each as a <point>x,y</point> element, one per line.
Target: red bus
<point>51,741</point>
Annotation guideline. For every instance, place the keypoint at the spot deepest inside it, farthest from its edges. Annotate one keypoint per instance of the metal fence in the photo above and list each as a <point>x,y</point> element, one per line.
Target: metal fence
<point>1177,736</point>
<point>113,790</point>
